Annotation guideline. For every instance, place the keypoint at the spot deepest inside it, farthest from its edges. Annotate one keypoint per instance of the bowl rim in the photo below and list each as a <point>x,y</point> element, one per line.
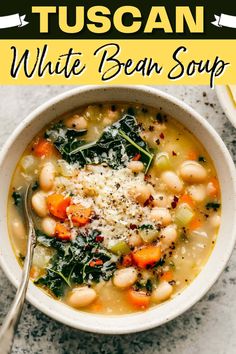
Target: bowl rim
<point>226,102</point>
<point>137,323</point>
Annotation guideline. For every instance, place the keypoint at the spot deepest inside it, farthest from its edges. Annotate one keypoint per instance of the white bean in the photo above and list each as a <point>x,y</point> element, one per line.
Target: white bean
<point>81,297</point>
<point>136,166</point>
<point>215,220</point>
<point>141,193</point>
<point>135,240</point>
<point>172,181</point>
<point>211,189</point>
<point>18,229</point>
<point>161,200</point>
<point>193,172</point>
<point>48,225</point>
<point>39,204</point>
<point>162,292</point>
<point>123,278</point>
<point>161,215</point>
<point>197,192</point>
<point>47,176</point>
<point>168,235</point>
<point>76,122</point>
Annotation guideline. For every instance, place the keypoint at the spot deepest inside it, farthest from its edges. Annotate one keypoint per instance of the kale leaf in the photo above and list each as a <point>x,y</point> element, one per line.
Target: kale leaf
<point>35,186</point>
<point>75,262</point>
<point>213,205</point>
<point>201,159</point>
<point>17,197</point>
<point>118,142</point>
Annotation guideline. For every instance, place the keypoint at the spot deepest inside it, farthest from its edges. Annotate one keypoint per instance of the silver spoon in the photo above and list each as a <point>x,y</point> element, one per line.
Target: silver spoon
<point>10,324</point>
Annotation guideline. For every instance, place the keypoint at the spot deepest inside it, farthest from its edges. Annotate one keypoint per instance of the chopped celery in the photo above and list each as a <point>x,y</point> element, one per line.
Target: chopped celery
<point>120,248</point>
<point>162,161</point>
<point>148,234</point>
<point>184,214</point>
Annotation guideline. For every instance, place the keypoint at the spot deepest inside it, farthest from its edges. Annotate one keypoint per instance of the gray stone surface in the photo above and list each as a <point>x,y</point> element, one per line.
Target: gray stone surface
<point>209,327</point>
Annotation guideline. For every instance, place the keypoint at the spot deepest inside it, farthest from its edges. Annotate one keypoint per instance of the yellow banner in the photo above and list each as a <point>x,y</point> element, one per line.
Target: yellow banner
<point>150,62</point>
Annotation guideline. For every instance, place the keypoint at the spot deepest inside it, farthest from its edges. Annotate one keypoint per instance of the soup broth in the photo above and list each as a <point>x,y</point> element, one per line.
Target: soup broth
<point>126,206</point>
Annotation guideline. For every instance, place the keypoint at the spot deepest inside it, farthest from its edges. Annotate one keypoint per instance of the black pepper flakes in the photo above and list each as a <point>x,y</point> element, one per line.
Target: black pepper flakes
<point>151,128</point>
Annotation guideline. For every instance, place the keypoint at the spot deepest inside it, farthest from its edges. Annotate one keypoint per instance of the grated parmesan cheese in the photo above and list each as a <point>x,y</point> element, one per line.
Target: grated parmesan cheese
<point>106,191</point>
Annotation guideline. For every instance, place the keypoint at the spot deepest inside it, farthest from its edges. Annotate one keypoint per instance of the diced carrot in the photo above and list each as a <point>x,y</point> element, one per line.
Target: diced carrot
<point>57,205</point>
<point>195,224</point>
<point>214,191</point>
<point>96,263</point>
<point>136,157</point>
<point>167,276</point>
<point>138,299</point>
<point>192,155</point>
<point>186,198</point>
<point>147,256</point>
<point>43,147</point>
<point>62,232</point>
<point>79,214</point>
<point>127,260</point>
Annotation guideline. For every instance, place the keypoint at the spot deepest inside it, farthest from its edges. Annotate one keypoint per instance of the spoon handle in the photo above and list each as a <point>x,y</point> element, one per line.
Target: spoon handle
<point>11,321</point>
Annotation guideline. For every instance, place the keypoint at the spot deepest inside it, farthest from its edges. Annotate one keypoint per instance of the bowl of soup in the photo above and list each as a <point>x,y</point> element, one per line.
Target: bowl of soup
<point>133,202</point>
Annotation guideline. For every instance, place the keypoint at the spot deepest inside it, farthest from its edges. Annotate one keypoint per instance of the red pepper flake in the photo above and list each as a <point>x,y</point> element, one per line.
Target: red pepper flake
<point>162,136</point>
<point>176,199</point>
<point>174,153</point>
<point>151,128</point>
<point>173,205</point>
<point>96,263</point>
<point>99,238</point>
<point>175,202</point>
<point>148,201</point>
<point>127,260</point>
<point>158,142</point>
<point>136,157</point>
<point>133,226</point>
<point>147,177</point>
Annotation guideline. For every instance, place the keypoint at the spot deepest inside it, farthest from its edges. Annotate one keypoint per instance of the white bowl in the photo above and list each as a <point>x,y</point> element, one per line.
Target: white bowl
<point>158,315</point>
<point>227,103</point>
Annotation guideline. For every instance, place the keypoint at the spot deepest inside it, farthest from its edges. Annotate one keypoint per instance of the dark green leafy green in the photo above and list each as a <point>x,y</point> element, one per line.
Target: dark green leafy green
<point>201,159</point>
<point>35,186</point>
<point>119,142</point>
<point>71,263</point>
<point>146,227</point>
<point>144,285</point>
<point>213,205</point>
<point>149,286</point>
<point>17,197</point>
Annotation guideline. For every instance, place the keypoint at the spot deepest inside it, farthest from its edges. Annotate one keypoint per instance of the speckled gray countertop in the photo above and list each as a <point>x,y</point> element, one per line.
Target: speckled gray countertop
<point>209,327</point>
